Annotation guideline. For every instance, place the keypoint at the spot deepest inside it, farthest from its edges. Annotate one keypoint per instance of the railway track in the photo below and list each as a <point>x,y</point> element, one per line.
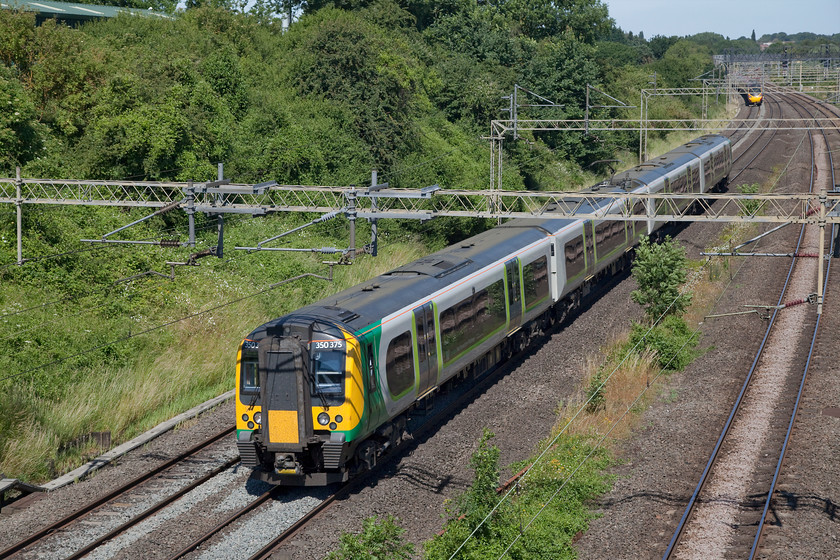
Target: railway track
<point>137,495</point>
<point>267,500</point>
<point>214,543</point>
<point>723,516</point>
<point>823,342</point>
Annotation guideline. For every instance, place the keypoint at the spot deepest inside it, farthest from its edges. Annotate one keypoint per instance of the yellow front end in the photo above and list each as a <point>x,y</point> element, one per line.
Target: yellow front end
<point>248,416</point>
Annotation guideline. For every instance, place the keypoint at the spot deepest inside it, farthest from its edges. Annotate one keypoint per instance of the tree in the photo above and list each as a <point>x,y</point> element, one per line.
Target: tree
<point>683,61</point>
<point>660,44</point>
<point>20,132</point>
<point>660,270</point>
<point>753,35</point>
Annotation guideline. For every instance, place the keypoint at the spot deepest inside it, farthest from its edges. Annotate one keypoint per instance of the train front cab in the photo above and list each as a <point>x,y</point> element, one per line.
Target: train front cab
<point>300,403</point>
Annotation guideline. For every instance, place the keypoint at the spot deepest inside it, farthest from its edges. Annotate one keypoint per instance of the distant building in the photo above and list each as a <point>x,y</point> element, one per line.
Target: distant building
<point>72,13</point>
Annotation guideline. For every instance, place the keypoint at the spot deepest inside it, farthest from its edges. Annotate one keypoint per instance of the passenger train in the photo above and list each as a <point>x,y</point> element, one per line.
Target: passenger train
<point>323,392</point>
<point>753,95</point>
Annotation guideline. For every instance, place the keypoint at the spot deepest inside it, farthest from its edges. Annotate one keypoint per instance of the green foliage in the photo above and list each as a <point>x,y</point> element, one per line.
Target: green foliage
<point>557,517</point>
<point>660,270</point>
<point>380,539</point>
<point>20,133</point>
<point>682,62</point>
<point>341,58</point>
<point>659,44</point>
<point>481,496</point>
<point>749,207</point>
<point>671,339</point>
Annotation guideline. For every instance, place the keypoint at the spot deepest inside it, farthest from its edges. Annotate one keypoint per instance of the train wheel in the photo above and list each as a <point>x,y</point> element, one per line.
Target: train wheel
<point>400,433</point>
<point>366,456</point>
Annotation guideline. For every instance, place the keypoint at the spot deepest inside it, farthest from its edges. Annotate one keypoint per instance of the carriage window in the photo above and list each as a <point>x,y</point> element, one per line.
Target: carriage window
<point>609,237</point>
<point>399,365</point>
<point>490,312</point>
<point>249,373</point>
<point>575,262</point>
<point>456,326</point>
<point>535,277</point>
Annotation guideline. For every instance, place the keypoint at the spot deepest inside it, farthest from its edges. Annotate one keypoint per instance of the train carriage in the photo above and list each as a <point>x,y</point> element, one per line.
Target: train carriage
<point>324,391</point>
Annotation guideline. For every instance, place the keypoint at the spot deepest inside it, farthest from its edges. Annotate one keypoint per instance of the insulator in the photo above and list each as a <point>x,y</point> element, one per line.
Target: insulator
<point>327,216</point>
<point>170,243</point>
<point>205,253</point>
<point>169,207</point>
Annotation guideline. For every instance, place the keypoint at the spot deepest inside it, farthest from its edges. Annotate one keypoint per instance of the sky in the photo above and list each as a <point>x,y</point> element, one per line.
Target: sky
<point>730,18</point>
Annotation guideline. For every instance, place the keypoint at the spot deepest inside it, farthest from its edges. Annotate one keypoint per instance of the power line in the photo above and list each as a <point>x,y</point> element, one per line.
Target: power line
<point>74,297</point>
<point>158,327</point>
<point>580,410</point>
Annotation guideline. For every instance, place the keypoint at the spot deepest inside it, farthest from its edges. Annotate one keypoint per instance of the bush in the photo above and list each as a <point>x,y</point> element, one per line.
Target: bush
<point>380,539</point>
<point>660,270</point>
<point>671,340</point>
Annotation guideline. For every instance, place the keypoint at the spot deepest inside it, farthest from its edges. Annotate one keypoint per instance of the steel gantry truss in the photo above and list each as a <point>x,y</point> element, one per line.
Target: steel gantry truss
<point>377,201</point>
<point>426,203</point>
<point>503,129</point>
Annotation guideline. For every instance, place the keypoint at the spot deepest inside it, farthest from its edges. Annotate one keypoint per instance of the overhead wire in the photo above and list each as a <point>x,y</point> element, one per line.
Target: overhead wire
<point>89,292</point>
<point>93,248</point>
<point>157,327</point>
<point>585,404</point>
<point>550,445</point>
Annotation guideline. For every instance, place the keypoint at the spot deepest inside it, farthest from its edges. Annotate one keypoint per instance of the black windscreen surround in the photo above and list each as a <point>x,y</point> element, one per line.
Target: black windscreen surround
<point>281,380</point>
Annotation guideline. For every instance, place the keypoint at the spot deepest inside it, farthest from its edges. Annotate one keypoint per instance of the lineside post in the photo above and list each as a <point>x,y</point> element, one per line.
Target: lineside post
<point>220,219</point>
<point>823,198</point>
<point>190,210</point>
<point>19,205</point>
<point>374,222</point>
<point>351,215</point>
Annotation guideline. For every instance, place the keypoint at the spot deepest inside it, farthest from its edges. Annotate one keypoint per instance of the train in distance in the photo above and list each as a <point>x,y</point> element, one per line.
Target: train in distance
<point>753,95</point>
<point>324,392</point>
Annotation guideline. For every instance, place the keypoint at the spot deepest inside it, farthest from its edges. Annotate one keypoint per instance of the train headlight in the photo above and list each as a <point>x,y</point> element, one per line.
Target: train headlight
<point>339,419</point>
<point>245,417</point>
<point>323,418</point>
<point>258,417</point>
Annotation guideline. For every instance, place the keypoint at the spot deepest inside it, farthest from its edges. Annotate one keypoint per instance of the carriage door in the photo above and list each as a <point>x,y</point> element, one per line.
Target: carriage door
<point>514,293</point>
<point>284,393</point>
<point>424,324</point>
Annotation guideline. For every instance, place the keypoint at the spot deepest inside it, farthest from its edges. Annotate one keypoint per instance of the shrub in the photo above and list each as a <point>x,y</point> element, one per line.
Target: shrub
<point>749,207</point>
<point>380,539</point>
<point>660,270</point>
<point>671,340</point>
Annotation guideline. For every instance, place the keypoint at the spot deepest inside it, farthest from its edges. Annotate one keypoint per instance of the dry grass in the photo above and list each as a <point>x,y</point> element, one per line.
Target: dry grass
<point>193,362</point>
<point>624,383</point>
